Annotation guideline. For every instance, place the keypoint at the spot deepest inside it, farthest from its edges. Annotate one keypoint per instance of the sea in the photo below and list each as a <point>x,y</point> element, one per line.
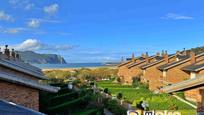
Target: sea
<point>69,65</point>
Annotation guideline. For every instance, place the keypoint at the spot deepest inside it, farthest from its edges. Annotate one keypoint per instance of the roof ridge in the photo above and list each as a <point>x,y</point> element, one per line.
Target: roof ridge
<point>17,67</point>
<point>175,63</point>
<point>27,82</point>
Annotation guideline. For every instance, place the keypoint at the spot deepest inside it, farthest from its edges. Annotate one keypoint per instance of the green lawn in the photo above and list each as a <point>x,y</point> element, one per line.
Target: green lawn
<point>156,101</point>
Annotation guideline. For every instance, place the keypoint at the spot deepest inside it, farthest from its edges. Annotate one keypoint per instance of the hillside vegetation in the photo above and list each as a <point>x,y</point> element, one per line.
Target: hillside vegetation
<point>83,74</point>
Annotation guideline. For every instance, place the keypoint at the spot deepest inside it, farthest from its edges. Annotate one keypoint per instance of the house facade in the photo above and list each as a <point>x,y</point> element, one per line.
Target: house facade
<point>194,70</point>
<point>151,74</point>
<point>123,71</point>
<point>19,81</point>
<point>196,84</point>
<point>177,71</point>
<point>134,69</point>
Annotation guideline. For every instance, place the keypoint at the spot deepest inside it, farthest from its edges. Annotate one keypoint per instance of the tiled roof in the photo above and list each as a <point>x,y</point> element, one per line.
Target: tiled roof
<point>187,84</point>
<point>172,64</point>
<point>142,60</point>
<point>194,67</point>
<point>151,64</point>
<point>135,64</point>
<point>158,57</point>
<point>9,108</point>
<point>27,82</point>
<point>124,63</point>
<point>181,61</point>
<point>22,67</point>
<point>159,60</point>
<point>180,57</point>
<point>128,60</point>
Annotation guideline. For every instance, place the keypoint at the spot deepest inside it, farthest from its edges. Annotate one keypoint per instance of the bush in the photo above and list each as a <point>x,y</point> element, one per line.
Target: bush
<point>114,107</point>
<point>92,83</point>
<point>120,95</point>
<point>105,90</point>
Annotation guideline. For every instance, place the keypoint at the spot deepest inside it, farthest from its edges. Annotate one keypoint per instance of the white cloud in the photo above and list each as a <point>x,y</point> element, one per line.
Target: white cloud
<point>29,44</point>
<point>36,45</point>
<point>51,9</point>
<point>173,16</point>
<point>11,30</point>
<point>24,4</point>
<point>5,17</point>
<point>34,23</point>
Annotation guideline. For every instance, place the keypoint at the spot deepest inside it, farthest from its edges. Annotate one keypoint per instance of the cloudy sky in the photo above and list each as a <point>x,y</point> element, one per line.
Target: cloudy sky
<point>101,31</point>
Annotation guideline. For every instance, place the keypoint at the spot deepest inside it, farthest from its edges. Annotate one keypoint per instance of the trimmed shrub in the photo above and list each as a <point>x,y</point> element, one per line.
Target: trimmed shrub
<point>106,90</point>
<point>120,96</point>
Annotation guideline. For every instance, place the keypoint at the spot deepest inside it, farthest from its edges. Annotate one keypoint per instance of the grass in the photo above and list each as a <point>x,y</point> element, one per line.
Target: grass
<point>156,101</point>
<point>63,105</point>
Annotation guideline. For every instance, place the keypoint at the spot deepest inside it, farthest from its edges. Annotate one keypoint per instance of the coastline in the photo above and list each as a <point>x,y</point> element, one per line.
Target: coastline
<point>72,69</point>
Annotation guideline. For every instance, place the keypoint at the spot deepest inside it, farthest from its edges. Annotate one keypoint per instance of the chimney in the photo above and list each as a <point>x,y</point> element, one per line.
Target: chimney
<point>178,53</point>
<point>157,54</point>
<point>133,57</point>
<point>184,51</point>
<point>7,51</point>
<point>166,52</point>
<point>13,54</point>
<point>176,56</point>
<point>147,58</point>
<point>122,59</point>
<point>193,58</point>
<point>162,53</point>
<point>166,57</point>
<point>143,55</point>
<point>17,56</point>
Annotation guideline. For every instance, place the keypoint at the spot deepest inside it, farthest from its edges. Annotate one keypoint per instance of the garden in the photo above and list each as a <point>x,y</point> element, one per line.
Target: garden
<point>139,92</point>
<point>71,101</point>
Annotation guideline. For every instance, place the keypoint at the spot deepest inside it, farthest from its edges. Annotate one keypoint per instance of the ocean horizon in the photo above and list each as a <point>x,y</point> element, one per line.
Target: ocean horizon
<point>69,65</point>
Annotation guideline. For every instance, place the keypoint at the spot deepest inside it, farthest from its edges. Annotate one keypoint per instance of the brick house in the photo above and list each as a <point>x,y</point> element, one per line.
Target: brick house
<point>123,69</point>
<point>19,81</point>
<point>194,70</point>
<point>151,74</point>
<point>196,84</point>
<point>181,70</point>
<point>134,69</point>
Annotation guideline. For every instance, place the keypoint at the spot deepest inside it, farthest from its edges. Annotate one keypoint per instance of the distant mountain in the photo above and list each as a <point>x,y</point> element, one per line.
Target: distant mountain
<point>36,58</point>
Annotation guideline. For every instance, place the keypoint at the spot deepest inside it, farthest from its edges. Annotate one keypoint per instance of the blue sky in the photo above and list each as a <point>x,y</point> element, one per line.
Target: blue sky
<point>101,31</point>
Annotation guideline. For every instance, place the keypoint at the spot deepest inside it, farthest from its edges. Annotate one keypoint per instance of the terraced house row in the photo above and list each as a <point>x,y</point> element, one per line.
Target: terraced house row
<point>163,72</point>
